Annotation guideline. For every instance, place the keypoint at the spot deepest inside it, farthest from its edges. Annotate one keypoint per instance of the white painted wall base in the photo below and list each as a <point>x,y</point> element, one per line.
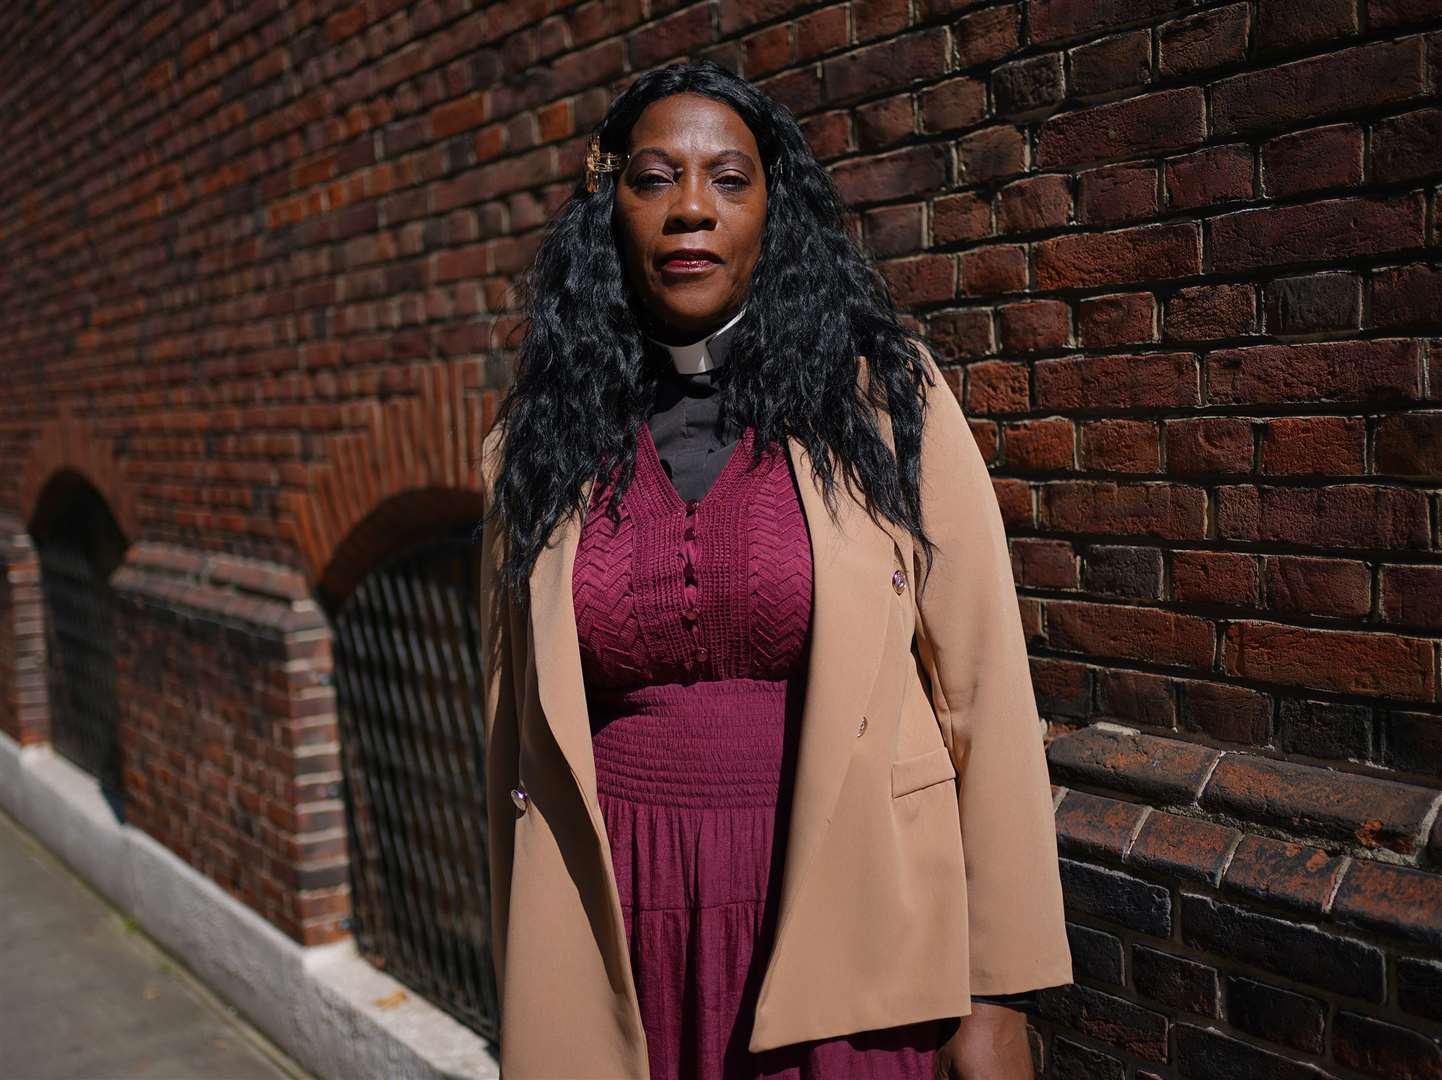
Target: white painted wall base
<point>318,1003</point>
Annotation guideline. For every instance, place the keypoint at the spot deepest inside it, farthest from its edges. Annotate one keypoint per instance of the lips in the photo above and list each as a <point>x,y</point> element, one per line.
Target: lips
<point>689,260</point>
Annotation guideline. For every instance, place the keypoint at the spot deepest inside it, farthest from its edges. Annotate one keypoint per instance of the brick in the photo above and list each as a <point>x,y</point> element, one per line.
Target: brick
<point>1303,161</point>
<point>1119,319</point>
<point>1217,174</point>
<point>821,31</point>
<point>1096,955</point>
<point>1407,147</point>
<point>1175,981</point>
<point>1338,515</point>
<point>1146,380</point>
<point>1215,577</point>
<point>1144,253</point>
<point>927,279</point>
<point>889,65</point>
<point>1168,511</point>
<point>990,154</point>
<point>1133,127</point>
<point>1056,20</point>
<point>1419,986</point>
<point>768,50</point>
<point>1133,572</point>
<point>1033,445</point>
<point>1365,76</point>
<point>1323,729</point>
<point>1306,585</point>
<point>1182,847</point>
<point>1120,62</point>
<point>673,36</point>
<point>1313,302</point>
<point>1377,1048</point>
<point>960,218</point>
<point>1116,193</point>
<point>981,37</point>
<point>1410,445</point>
<point>1037,202</point>
<point>829,134</point>
<point>1109,1019</point>
<point>997,387</point>
<point>1135,697</point>
<point>1314,446</point>
<point>1029,86</point>
<point>1135,633</point>
<point>1235,714</point>
<point>1034,325</point>
<point>1203,1053</point>
<point>1276,1015</point>
<point>1291,25</point>
<point>993,387</point>
<point>873,18</point>
<point>1115,897</point>
<point>1208,312</point>
<point>1411,596</point>
<point>1121,446</point>
<point>1375,372</point>
<point>1000,268</point>
<point>1093,827</point>
<point>1063,688</point>
<point>1073,1061</point>
<point>953,104</point>
<point>894,230</point>
<point>1044,564</point>
<point>1362,810</point>
<point>1298,951</point>
<point>884,123</point>
<point>904,173</point>
<point>1160,770</point>
<point>1343,661</point>
<point>1393,900</point>
<point>1283,873</point>
<point>1211,444</point>
<point>1330,229</point>
<point>1203,42</point>
<point>1407,297</point>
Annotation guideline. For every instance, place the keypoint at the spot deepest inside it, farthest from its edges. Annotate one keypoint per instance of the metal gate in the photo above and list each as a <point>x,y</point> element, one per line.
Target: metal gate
<point>80,661</point>
<point>409,702</point>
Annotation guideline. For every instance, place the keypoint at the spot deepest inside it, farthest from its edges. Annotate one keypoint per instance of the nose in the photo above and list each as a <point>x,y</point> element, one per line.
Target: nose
<point>692,205</point>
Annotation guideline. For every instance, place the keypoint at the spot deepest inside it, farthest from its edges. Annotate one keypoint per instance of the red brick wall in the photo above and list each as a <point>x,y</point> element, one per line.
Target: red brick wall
<point>1183,261</point>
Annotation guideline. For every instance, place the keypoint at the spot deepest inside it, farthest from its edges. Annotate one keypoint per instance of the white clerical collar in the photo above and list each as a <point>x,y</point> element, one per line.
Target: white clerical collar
<point>706,354</point>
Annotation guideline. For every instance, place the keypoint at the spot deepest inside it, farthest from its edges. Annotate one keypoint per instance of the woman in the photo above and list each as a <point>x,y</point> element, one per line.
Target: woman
<point>755,810</point>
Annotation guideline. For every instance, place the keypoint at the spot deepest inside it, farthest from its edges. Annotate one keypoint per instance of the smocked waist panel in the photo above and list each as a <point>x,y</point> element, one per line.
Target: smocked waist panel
<point>718,743</point>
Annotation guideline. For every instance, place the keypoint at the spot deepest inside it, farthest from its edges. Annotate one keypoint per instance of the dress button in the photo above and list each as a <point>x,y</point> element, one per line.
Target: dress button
<point>691,505</point>
<point>519,797</point>
<point>690,615</point>
<point>690,533</point>
<point>861,727</point>
<point>898,580</point>
<point>701,654</point>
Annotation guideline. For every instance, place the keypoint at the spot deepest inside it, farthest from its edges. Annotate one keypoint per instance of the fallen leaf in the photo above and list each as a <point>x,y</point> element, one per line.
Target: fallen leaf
<point>390,1001</point>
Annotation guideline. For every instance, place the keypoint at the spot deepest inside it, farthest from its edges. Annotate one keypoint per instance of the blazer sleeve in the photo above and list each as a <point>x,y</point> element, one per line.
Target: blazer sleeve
<point>500,661</point>
<point>970,639</point>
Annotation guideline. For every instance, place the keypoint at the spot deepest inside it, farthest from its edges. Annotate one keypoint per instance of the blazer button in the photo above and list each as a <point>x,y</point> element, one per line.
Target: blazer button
<point>519,797</point>
<point>861,728</point>
<point>898,580</point>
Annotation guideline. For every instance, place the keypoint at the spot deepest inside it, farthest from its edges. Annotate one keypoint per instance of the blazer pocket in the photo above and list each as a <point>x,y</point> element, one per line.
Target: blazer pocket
<point>922,770</point>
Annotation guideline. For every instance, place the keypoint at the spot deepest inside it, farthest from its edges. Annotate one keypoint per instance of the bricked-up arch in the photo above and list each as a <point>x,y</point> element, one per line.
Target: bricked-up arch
<point>411,467</point>
<point>68,450</point>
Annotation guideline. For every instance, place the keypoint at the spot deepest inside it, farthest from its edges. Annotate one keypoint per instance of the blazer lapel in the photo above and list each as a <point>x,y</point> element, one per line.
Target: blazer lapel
<point>852,560</point>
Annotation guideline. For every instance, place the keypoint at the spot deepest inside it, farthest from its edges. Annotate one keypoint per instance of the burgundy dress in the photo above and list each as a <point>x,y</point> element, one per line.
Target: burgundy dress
<point>694,619</point>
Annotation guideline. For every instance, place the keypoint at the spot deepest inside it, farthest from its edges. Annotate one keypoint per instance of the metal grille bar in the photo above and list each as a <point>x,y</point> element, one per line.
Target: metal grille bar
<point>409,700</point>
<point>79,630</point>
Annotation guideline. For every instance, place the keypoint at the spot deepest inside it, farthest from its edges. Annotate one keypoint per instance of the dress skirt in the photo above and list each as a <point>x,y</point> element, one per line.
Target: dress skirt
<point>693,617</point>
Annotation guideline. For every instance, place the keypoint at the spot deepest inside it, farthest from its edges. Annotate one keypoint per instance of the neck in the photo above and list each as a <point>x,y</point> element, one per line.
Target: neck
<point>706,353</point>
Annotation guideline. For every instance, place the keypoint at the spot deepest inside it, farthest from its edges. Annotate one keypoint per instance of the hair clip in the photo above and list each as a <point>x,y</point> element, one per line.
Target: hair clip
<point>598,162</point>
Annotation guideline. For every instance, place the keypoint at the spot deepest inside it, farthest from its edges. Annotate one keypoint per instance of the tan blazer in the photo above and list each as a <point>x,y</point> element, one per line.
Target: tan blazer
<point>921,860</point>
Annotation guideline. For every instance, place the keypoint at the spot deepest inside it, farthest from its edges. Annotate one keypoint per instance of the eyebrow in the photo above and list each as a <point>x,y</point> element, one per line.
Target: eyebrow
<point>720,155</point>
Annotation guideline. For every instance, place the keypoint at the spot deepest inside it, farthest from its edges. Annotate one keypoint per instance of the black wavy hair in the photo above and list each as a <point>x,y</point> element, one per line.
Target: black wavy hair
<point>585,374</point>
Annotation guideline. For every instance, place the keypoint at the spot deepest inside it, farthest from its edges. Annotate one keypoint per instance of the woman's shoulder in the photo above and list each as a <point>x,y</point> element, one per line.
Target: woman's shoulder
<point>492,448</point>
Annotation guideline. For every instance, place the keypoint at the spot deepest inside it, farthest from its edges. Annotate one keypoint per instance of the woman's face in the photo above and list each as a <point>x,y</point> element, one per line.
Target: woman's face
<point>691,208</point>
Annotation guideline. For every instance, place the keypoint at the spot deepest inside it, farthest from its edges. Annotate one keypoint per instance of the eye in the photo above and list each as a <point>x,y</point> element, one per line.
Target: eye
<point>735,181</point>
<point>651,180</point>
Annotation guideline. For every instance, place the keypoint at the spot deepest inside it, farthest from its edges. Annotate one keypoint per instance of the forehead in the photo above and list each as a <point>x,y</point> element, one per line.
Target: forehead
<point>691,123</point>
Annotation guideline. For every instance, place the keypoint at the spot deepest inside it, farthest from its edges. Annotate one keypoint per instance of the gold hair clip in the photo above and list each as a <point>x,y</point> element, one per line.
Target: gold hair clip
<point>598,162</point>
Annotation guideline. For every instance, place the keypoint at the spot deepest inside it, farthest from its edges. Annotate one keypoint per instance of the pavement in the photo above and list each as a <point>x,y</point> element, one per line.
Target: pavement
<point>84,995</point>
